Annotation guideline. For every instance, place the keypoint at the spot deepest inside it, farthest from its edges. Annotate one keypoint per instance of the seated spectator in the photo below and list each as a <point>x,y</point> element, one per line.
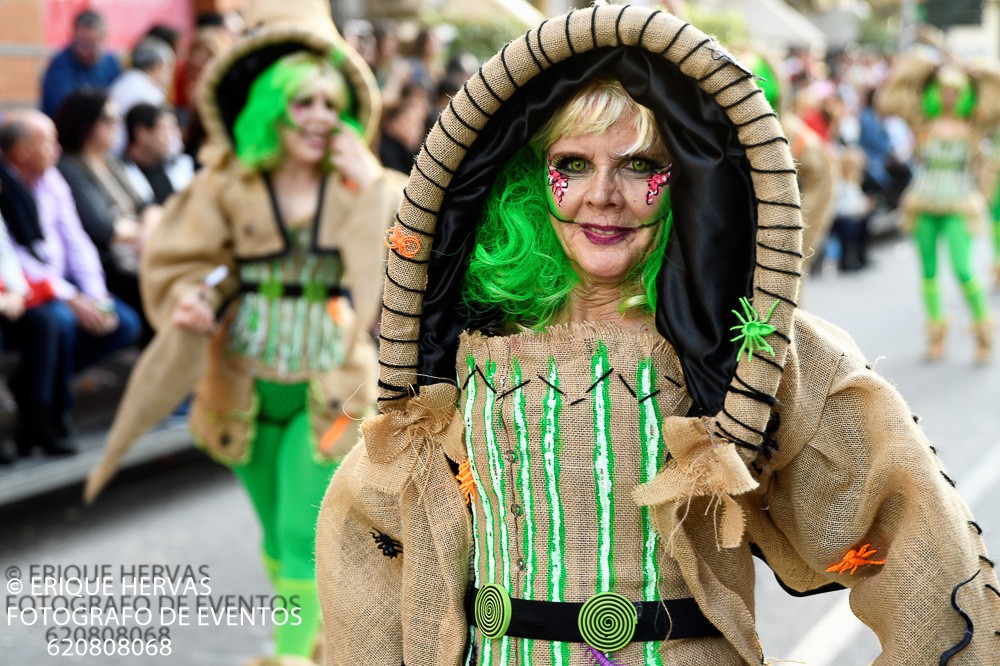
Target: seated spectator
<point>55,251</point>
<point>153,160</point>
<point>82,64</point>
<point>13,291</point>
<point>403,128</point>
<point>148,80</point>
<point>113,214</point>
<point>207,43</point>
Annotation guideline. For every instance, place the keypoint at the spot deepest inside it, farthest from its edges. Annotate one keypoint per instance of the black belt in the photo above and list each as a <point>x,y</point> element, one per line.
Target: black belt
<point>559,620</point>
<point>290,289</point>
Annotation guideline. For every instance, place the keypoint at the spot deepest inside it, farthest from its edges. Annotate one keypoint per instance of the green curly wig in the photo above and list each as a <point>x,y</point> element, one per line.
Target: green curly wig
<point>257,129</point>
<point>519,267</point>
<point>965,105</point>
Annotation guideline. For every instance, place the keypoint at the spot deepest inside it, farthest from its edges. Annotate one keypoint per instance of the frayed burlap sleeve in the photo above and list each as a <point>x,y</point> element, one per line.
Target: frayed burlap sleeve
<point>397,484</point>
<point>868,475</point>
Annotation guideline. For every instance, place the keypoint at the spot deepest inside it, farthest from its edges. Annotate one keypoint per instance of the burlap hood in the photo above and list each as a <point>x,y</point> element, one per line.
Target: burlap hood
<point>737,220</point>
<point>276,28</point>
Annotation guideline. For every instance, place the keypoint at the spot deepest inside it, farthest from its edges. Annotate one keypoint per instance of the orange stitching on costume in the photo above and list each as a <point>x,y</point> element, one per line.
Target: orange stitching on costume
<point>855,559</point>
<point>466,484</point>
<point>406,244</point>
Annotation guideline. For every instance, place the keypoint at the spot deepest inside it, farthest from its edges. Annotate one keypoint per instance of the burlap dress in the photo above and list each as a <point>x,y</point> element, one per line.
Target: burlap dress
<point>654,466</point>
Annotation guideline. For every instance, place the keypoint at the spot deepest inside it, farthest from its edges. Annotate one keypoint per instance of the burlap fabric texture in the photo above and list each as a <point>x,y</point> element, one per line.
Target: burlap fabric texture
<point>810,455</point>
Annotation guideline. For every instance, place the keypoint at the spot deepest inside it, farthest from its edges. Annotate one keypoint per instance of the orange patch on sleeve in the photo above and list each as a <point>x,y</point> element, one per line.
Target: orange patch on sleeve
<point>466,484</point>
<point>854,559</point>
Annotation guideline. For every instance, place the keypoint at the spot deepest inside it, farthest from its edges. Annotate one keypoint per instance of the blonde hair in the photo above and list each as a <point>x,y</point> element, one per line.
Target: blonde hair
<point>594,109</point>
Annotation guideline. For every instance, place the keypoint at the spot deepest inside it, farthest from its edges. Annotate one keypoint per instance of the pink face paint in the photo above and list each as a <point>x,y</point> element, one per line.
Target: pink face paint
<point>299,111</point>
<point>558,183</point>
<point>655,183</point>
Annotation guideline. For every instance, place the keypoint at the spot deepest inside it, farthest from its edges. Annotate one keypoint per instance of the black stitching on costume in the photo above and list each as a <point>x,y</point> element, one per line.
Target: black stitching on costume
<point>751,395</point>
<point>433,182</point>
<point>410,259</point>
<point>412,201</point>
<point>468,379</point>
<point>486,381</point>
<point>793,253</point>
<point>675,38</point>
<point>772,171</point>
<point>778,296</point>
<point>783,336</point>
<point>627,386</point>
<point>780,227</point>
<point>569,38</point>
<point>391,387</point>
<point>401,313</point>
<point>618,22</point>
<point>768,142</point>
<point>992,589</point>
<point>385,543</point>
<point>673,381</point>
<point>541,48</point>
<point>403,287</point>
<point>729,85</point>
<point>642,33</point>
<point>391,397</point>
<point>531,51</point>
<point>986,560</point>
<point>509,391</point>
<point>426,234</point>
<point>948,479</point>
<point>396,367</point>
<point>933,450</point>
<point>398,340</point>
<point>715,71</point>
<point>947,655</point>
<point>778,270</point>
<point>599,380</point>
<point>772,363</point>
<point>451,105</point>
<point>755,91</point>
<point>444,168</point>
<point>465,87</point>
<point>769,114</point>
<point>449,134</point>
<point>736,440</point>
<point>692,51</point>
<point>552,386</point>
<point>759,396</point>
<point>975,525</point>
<point>642,400</point>
<point>741,423</point>
<point>506,68</point>
<point>916,419</point>
<point>783,204</point>
<point>489,88</point>
<point>593,27</point>
<point>577,401</point>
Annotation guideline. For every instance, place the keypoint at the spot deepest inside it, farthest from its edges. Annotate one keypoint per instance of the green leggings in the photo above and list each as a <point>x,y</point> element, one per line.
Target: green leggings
<point>953,227</point>
<point>286,486</point>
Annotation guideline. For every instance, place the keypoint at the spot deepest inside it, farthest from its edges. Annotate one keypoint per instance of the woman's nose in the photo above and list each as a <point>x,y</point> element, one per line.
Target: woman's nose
<point>605,189</point>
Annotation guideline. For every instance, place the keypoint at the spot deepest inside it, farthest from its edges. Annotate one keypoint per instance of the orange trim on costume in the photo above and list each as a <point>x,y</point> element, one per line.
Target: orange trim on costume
<point>334,433</point>
<point>466,484</point>
<point>406,244</point>
<point>855,559</point>
<point>333,309</point>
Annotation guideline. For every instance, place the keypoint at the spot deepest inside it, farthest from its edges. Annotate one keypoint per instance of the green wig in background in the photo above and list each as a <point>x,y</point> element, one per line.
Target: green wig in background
<point>767,79</point>
<point>257,129</point>
<point>965,104</point>
<point>519,267</point>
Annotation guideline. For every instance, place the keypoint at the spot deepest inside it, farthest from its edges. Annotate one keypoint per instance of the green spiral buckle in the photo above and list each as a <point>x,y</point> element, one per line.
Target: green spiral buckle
<point>493,610</point>
<point>607,621</point>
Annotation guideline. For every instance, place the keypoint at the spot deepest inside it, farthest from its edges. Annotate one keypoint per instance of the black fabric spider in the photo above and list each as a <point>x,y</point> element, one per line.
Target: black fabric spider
<point>389,546</point>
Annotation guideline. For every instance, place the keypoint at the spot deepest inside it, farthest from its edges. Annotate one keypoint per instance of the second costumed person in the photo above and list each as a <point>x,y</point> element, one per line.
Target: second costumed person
<point>266,274</point>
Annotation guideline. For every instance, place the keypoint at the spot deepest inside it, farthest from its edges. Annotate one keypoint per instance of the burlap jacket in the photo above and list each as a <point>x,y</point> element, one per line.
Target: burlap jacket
<point>802,452</point>
<point>226,217</point>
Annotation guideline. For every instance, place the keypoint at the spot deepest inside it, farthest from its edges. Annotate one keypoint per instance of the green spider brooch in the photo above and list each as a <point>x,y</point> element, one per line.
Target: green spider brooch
<point>753,330</point>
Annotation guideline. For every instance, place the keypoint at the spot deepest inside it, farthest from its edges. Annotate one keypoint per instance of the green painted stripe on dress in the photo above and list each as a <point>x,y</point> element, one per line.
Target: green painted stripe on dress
<point>557,529</point>
<point>650,437</point>
<point>499,484</point>
<point>527,500</point>
<point>470,402</point>
<point>604,465</point>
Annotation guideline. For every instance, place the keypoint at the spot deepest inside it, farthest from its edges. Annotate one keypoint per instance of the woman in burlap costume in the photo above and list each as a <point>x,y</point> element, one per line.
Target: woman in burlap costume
<point>948,108</point>
<point>293,203</point>
<point>621,469</point>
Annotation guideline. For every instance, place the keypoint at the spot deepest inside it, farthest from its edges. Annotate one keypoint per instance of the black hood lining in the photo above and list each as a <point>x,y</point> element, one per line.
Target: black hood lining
<point>711,252</point>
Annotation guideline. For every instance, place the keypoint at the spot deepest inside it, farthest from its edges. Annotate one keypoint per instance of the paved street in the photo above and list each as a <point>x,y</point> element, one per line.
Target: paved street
<point>187,511</point>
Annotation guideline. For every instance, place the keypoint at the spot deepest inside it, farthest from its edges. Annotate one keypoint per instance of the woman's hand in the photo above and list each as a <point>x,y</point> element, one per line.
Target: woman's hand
<point>193,313</point>
<point>350,156</point>
<point>93,317</point>
<point>127,231</point>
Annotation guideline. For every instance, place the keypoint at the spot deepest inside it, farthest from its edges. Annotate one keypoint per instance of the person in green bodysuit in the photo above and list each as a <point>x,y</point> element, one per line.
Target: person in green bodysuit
<point>943,200</point>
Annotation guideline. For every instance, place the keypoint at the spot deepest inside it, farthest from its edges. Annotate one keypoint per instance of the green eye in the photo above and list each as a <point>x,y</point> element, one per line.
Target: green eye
<point>576,165</point>
<point>640,165</point>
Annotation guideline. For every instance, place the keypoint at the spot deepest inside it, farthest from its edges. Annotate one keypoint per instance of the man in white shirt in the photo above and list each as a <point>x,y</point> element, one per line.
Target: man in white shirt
<point>146,82</point>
